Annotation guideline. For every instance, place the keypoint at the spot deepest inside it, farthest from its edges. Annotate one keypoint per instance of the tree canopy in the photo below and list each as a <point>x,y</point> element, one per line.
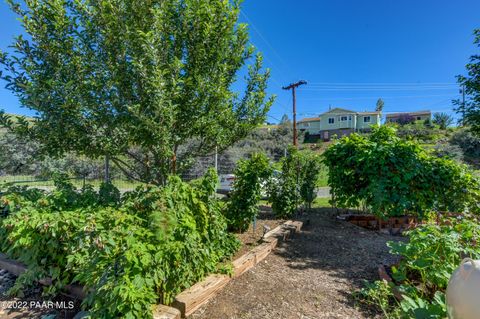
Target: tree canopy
<point>442,119</point>
<point>148,83</point>
<point>470,110</point>
<point>379,105</point>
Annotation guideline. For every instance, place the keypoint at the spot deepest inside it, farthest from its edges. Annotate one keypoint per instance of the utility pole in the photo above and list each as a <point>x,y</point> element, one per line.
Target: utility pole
<point>292,87</point>
<point>462,90</point>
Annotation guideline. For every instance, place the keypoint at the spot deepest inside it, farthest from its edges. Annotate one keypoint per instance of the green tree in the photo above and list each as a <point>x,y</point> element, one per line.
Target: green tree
<point>379,105</point>
<point>148,83</point>
<point>442,119</point>
<point>470,110</point>
<point>243,206</point>
<point>285,120</point>
<point>396,177</point>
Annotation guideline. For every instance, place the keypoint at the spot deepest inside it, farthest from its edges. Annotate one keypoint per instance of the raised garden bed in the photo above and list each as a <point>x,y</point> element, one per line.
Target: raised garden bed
<point>392,225</point>
<point>194,297</point>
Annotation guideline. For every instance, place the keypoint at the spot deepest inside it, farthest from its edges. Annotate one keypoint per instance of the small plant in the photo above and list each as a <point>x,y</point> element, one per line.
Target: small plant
<point>427,261</point>
<point>310,170</point>
<point>247,187</point>
<point>284,192</point>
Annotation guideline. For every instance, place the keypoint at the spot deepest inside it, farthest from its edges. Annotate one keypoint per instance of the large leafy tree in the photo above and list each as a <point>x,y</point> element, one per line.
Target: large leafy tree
<point>470,110</point>
<point>148,83</point>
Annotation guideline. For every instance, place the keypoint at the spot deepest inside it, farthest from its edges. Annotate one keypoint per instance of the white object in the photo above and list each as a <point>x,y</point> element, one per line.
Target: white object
<point>463,291</point>
<point>226,183</point>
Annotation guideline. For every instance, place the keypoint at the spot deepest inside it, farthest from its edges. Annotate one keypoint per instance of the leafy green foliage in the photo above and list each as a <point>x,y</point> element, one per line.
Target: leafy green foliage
<point>311,167</point>
<point>396,177</point>
<point>470,110</point>
<point>129,254</point>
<point>134,80</point>
<point>427,261</point>
<point>247,187</point>
<point>300,174</point>
<point>284,192</point>
<point>443,120</point>
<point>469,143</point>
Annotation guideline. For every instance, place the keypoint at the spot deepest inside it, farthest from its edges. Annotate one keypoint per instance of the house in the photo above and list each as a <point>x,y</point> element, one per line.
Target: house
<point>310,125</point>
<point>405,117</point>
<point>339,122</point>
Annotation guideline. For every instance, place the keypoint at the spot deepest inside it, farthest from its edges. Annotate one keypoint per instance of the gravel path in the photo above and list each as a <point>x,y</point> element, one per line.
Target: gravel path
<point>311,276</point>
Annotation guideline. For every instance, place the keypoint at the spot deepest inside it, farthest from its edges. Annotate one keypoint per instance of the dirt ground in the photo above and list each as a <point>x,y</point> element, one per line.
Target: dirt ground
<point>252,237</point>
<point>310,276</point>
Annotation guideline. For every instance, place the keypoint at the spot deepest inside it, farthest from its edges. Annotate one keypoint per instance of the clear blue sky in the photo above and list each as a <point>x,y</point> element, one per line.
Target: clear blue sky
<point>351,52</point>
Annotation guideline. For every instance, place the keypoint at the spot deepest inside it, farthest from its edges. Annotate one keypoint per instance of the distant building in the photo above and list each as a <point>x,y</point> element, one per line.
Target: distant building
<point>402,117</point>
<point>339,122</point>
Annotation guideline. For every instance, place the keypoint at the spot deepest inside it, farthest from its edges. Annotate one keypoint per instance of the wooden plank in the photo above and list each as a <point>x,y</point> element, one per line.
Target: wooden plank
<point>274,232</point>
<point>262,251</point>
<point>243,264</point>
<point>166,312</point>
<point>16,268</point>
<point>297,224</point>
<point>194,297</point>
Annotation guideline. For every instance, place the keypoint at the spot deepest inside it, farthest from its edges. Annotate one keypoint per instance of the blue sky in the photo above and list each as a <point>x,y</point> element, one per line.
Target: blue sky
<point>351,52</point>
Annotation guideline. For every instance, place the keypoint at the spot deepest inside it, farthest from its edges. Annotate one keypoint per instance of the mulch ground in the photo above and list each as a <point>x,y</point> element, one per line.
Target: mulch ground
<point>253,236</point>
<point>311,276</point>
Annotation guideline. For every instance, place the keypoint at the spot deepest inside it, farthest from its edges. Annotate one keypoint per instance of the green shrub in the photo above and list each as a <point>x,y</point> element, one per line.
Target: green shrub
<point>155,243</point>
<point>243,205</point>
<point>284,191</point>
<point>427,261</point>
<point>311,168</point>
<point>469,143</point>
<point>396,177</point>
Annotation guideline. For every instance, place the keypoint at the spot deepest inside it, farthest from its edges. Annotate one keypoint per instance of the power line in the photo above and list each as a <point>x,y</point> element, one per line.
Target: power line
<point>379,89</point>
<point>376,97</point>
<point>384,83</point>
<point>264,39</point>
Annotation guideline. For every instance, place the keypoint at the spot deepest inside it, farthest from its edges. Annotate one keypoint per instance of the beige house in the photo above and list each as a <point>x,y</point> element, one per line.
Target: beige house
<point>339,122</point>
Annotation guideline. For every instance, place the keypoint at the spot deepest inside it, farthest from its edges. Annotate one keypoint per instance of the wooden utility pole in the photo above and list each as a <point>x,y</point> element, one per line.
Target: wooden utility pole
<point>292,87</point>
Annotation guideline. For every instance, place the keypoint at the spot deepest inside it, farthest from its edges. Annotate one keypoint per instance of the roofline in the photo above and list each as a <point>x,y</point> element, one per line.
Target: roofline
<point>409,113</point>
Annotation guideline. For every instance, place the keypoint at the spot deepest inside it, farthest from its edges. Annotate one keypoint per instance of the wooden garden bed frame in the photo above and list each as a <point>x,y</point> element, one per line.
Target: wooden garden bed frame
<point>194,297</point>
<point>188,301</point>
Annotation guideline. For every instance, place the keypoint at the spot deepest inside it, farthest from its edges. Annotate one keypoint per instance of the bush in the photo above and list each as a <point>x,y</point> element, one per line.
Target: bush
<point>301,172</point>
<point>247,187</point>
<point>153,244</point>
<point>396,177</point>
<point>469,143</point>
<point>427,261</point>
<point>310,169</point>
<point>284,191</point>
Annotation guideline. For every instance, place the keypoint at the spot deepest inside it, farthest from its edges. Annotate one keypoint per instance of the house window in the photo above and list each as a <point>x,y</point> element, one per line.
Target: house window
<point>418,118</point>
<point>349,117</point>
<point>343,118</point>
<point>306,124</point>
<point>366,119</point>
<point>331,120</point>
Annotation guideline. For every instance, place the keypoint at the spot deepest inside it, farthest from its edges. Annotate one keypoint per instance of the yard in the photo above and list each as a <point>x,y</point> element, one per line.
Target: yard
<point>311,276</point>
